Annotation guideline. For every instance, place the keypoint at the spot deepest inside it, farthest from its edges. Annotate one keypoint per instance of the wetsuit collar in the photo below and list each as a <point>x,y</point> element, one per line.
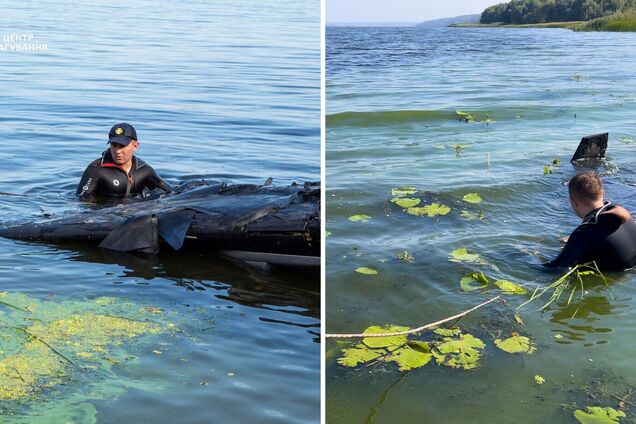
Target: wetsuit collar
<point>592,217</point>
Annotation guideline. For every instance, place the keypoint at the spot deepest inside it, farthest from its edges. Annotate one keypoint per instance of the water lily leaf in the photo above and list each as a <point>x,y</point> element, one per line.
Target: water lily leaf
<point>463,352</point>
<point>515,344</point>
<point>393,341</point>
<point>473,281</point>
<point>406,202</point>
<point>327,234</point>
<point>447,332</point>
<point>359,355</point>
<point>431,210</point>
<point>408,358</point>
<point>361,217</point>
<point>471,216</point>
<point>365,270</point>
<point>508,287</point>
<point>465,116</point>
<point>627,140</point>
<point>598,415</point>
<point>472,198</point>
<point>462,255</point>
<point>403,191</point>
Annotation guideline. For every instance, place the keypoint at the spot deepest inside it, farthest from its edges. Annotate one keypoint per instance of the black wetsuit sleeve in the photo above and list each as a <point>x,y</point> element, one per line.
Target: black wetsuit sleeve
<point>154,181</point>
<point>87,188</point>
<point>575,248</point>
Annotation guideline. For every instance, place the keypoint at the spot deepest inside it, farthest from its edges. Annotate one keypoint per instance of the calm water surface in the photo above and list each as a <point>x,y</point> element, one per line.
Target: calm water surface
<point>392,94</point>
<point>224,90</point>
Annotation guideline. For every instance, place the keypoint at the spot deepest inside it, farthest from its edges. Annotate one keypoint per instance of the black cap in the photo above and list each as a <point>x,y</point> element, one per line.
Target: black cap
<point>122,134</point>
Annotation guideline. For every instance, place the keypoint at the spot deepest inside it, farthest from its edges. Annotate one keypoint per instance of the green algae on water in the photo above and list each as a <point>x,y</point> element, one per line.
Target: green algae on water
<point>46,344</point>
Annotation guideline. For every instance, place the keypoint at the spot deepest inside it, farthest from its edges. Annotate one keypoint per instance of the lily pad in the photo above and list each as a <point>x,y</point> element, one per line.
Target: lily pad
<point>327,234</point>
<point>406,202</point>
<point>392,341</point>
<point>359,355</point>
<point>465,116</point>
<point>431,210</point>
<point>598,415</point>
<point>463,352</point>
<point>471,216</point>
<point>408,358</point>
<point>462,255</point>
<point>473,281</point>
<point>447,332</point>
<point>472,198</point>
<point>361,217</point>
<point>515,344</point>
<point>365,270</point>
<point>508,287</point>
<point>403,191</point>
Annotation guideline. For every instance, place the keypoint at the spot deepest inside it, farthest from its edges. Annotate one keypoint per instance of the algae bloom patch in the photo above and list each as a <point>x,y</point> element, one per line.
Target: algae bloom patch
<point>44,344</point>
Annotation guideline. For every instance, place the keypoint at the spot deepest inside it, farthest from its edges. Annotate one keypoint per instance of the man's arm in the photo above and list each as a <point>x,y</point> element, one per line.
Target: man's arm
<point>154,181</point>
<point>575,247</point>
<point>87,187</point>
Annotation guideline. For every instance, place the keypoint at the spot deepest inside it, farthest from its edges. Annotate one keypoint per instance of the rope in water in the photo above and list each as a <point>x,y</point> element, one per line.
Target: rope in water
<point>414,330</point>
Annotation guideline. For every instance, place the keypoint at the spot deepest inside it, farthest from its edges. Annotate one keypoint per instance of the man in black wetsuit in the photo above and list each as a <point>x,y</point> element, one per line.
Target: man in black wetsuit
<point>607,234</point>
<point>118,173</point>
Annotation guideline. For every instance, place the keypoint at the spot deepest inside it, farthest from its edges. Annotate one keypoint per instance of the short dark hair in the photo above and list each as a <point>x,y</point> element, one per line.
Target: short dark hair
<point>586,186</point>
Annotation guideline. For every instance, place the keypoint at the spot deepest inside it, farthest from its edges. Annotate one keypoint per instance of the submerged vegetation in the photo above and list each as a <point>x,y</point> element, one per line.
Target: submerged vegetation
<point>573,280</point>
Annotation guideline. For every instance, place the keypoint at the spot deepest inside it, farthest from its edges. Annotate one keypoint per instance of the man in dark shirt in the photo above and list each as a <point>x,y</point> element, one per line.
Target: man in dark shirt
<point>607,234</point>
<point>118,173</point>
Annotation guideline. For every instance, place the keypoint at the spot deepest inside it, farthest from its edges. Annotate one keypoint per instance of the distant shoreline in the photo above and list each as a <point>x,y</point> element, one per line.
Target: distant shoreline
<point>568,25</point>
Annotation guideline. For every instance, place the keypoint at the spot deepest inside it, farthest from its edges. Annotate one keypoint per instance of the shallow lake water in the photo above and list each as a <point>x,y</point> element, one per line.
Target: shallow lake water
<point>392,97</point>
<point>223,90</point>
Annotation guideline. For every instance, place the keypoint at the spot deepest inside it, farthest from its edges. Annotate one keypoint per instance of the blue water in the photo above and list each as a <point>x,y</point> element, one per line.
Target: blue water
<point>392,97</point>
<point>219,90</point>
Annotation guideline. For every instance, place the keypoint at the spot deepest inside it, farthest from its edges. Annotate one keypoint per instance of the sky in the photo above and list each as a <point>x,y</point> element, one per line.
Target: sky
<point>368,11</point>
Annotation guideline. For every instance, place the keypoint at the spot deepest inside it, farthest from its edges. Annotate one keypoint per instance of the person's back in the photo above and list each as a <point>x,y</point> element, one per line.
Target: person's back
<point>118,173</point>
<point>607,234</point>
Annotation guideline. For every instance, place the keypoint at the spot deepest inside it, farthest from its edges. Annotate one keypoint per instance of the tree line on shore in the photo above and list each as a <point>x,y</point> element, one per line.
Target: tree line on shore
<point>540,11</point>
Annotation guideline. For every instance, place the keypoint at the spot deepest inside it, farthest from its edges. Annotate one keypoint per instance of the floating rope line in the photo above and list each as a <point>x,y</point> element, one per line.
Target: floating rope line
<point>414,330</point>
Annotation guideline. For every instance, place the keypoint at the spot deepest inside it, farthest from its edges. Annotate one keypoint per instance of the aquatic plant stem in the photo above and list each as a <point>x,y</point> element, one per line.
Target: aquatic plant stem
<point>413,330</point>
<point>57,352</point>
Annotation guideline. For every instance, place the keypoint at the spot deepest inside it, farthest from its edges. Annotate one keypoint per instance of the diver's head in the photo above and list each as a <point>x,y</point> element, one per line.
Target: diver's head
<point>123,143</point>
<point>586,193</point>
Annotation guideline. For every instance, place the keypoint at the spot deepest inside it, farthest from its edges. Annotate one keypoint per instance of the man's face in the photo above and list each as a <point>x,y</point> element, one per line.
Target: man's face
<point>123,154</point>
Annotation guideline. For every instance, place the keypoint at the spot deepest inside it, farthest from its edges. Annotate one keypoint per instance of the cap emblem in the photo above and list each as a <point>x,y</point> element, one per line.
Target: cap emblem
<point>116,183</point>
<point>119,130</point>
